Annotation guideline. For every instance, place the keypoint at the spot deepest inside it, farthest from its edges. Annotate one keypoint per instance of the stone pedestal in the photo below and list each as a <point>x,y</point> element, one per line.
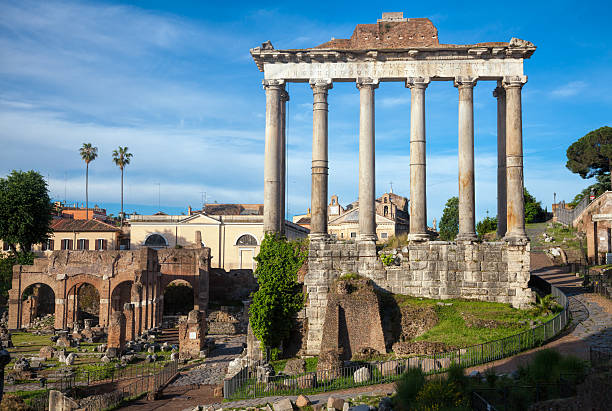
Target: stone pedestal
<point>116,332</point>
<point>192,335</point>
<point>29,308</point>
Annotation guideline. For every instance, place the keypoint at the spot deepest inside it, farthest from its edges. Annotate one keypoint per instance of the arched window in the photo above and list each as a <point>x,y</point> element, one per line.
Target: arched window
<point>156,240</point>
<point>246,239</point>
<point>386,210</point>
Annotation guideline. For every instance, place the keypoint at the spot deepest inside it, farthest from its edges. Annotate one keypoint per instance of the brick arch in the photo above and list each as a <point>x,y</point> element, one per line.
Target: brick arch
<point>72,295</point>
<point>56,286</point>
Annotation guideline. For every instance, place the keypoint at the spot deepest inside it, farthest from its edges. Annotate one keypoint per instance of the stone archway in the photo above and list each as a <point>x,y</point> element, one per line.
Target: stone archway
<point>37,300</point>
<point>83,303</point>
<point>179,298</point>
<point>122,294</point>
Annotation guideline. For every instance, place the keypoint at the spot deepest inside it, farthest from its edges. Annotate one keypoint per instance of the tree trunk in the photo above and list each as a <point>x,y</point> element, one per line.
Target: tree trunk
<point>87,191</point>
<point>121,197</point>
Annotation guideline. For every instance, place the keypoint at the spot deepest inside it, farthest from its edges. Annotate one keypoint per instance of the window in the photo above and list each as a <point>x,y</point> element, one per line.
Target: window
<point>246,239</point>
<point>341,235</point>
<point>82,244</point>
<point>47,245</point>
<point>383,235</point>
<point>386,210</point>
<point>156,240</point>
<point>101,244</point>
<point>385,200</point>
<point>353,235</point>
<point>66,244</point>
<point>5,246</point>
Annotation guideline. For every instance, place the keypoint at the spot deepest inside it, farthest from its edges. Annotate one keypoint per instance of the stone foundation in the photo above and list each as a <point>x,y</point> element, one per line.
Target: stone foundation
<point>192,335</point>
<point>496,272</point>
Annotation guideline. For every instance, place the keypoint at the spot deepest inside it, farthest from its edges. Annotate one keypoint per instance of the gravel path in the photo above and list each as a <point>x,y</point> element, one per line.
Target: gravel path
<point>213,370</point>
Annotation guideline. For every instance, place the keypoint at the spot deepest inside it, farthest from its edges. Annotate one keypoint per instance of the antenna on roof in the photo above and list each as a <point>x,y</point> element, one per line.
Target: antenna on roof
<point>391,183</point>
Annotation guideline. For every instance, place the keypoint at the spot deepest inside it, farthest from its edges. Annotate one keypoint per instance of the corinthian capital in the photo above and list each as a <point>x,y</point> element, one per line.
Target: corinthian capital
<point>367,82</point>
<point>284,96</point>
<point>417,82</point>
<point>514,81</point>
<point>465,81</point>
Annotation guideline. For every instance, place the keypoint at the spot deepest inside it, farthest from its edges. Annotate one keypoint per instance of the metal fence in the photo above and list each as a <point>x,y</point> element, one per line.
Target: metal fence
<point>246,384</point>
<point>567,216</point>
<point>147,379</point>
<point>600,285</point>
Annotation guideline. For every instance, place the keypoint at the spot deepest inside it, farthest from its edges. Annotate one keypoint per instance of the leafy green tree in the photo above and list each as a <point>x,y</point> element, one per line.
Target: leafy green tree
<point>279,297</point>
<point>591,155</point>
<point>6,271</point>
<point>121,158</point>
<point>25,210</point>
<point>533,209</point>
<point>449,223</point>
<point>88,154</point>
<point>487,225</point>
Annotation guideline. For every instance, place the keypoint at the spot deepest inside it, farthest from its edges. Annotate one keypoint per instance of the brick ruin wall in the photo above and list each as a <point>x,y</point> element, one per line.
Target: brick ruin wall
<point>496,271</point>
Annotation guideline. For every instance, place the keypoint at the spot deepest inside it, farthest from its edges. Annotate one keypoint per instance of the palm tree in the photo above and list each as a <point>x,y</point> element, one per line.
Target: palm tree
<point>121,158</point>
<point>88,154</point>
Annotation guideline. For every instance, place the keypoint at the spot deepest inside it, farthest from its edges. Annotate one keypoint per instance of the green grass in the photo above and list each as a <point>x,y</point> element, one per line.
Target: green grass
<point>563,236</point>
<point>452,330</point>
<point>311,364</point>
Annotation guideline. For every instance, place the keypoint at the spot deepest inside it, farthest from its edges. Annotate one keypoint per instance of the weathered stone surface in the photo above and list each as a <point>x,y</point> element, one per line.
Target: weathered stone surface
<point>329,365</point>
<point>361,375</point>
<point>302,401</point>
<point>336,403</point>
<point>192,335</point>
<point>295,366</point>
<point>46,352</point>
<point>283,405</point>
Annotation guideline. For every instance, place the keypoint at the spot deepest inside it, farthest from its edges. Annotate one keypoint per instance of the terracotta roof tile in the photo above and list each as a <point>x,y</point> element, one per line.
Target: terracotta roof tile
<point>68,224</point>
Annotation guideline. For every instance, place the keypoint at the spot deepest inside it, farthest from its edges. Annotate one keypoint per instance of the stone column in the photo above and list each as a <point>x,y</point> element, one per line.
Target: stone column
<point>467,224</point>
<point>136,296</point>
<point>367,209</point>
<point>418,192</point>
<point>320,169</point>
<point>271,222</point>
<point>116,334</point>
<point>515,214</point>
<point>500,94</point>
<point>130,330</point>
<point>283,158</point>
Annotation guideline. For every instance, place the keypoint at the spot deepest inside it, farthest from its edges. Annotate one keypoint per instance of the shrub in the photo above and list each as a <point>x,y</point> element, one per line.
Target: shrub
<point>387,259</point>
<point>439,393</point>
<point>407,388</point>
<point>279,297</point>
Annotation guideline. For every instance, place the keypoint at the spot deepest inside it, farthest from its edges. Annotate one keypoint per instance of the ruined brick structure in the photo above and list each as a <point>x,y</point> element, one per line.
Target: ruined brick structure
<point>192,335</point>
<point>137,277</point>
<point>436,269</point>
<point>352,319</point>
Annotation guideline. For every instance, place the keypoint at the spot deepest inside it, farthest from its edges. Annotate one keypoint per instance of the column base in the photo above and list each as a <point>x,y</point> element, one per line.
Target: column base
<point>418,237</point>
<point>318,236</point>
<point>467,237</point>
<point>367,238</point>
<point>516,238</point>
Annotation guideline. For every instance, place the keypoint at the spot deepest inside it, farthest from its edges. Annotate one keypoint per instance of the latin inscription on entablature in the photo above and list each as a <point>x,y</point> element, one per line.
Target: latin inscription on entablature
<point>395,70</point>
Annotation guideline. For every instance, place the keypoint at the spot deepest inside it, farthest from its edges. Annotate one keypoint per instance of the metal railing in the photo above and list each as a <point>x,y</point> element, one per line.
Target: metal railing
<point>246,384</point>
<point>147,379</point>
<point>600,285</point>
<point>567,216</point>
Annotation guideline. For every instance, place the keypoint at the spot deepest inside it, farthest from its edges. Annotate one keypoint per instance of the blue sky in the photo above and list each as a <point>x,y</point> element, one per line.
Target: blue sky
<point>174,81</point>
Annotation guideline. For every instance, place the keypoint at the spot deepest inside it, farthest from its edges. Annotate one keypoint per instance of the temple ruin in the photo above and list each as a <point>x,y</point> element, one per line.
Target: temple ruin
<point>408,51</point>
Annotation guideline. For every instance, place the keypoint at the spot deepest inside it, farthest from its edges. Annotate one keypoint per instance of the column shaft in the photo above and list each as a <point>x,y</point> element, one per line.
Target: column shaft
<point>367,209</point>
<point>467,225</point>
<point>500,94</point>
<point>320,170</point>
<point>418,193</point>
<point>283,159</point>
<point>515,215</point>
<point>272,155</point>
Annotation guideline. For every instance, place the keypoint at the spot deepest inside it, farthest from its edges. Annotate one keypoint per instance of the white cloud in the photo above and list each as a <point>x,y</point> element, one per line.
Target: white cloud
<point>570,89</point>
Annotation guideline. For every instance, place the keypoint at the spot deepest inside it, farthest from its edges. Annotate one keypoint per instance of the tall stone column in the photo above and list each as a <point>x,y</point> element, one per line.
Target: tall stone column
<point>467,224</point>
<point>500,94</point>
<point>367,210</point>
<point>515,214</point>
<point>283,158</point>
<point>320,169</point>
<point>418,192</point>
<point>271,222</point>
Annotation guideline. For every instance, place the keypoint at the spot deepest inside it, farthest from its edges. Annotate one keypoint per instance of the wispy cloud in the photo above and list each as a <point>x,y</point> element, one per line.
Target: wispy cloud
<point>570,89</point>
